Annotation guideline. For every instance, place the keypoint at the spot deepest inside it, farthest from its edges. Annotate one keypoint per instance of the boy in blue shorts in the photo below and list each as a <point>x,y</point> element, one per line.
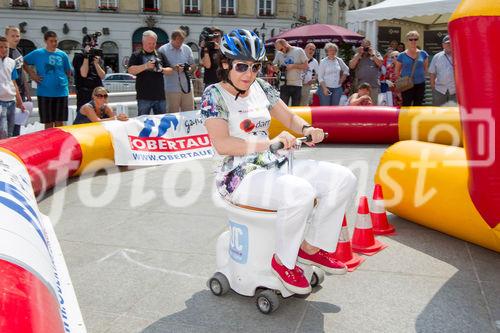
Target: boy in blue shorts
<point>53,70</point>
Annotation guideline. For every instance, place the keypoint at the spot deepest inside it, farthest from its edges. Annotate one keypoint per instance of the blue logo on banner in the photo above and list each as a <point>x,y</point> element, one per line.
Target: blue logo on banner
<point>166,122</point>
<point>238,246</point>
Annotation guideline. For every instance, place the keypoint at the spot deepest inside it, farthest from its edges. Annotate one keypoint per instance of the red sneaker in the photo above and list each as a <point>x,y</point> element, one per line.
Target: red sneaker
<point>323,260</point>
<point>293,279</point>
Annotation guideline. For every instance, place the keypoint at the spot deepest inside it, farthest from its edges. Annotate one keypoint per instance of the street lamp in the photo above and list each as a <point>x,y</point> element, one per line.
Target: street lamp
<point>263,31</point>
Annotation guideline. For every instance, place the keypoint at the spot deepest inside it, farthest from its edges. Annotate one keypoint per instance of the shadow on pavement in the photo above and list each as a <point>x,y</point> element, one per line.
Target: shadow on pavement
<point>232,312</point>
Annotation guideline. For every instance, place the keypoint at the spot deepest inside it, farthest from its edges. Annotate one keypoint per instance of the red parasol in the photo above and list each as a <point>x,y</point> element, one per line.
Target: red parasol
<point>318,34</point>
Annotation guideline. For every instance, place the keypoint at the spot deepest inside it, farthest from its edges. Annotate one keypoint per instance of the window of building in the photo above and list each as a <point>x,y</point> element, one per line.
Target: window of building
<point>329,12</point>
<point>70,47</point>
<point>301,8</point>
<point>26,46</point>
<point>66,4</point>
<point>266,7</point>
<point>315,18</point>
<point>227,7</point>
<point>107,4</point>
<point>192,7</point>
<point>150,5</point>
<point>20,3</point>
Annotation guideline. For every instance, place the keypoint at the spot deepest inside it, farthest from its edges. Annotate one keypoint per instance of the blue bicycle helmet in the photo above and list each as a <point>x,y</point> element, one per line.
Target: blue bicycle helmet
<point>241,44</point>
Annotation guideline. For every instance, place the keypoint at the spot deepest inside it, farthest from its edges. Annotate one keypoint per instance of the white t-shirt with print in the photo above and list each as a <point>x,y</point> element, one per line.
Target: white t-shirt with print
<point>247,117</point>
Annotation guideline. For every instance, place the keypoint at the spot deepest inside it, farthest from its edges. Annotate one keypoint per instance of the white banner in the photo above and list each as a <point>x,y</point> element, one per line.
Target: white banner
<point>27,239</point>
<point>160,139</point>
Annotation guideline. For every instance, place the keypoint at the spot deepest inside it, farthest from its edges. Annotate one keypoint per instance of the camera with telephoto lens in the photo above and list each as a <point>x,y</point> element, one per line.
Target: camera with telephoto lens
<point>208,35</point>
<point>91,41</point>
<point>282,75</point>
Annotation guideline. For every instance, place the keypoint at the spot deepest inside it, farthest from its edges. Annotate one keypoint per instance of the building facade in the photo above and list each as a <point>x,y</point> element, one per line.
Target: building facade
<point>121,22</point>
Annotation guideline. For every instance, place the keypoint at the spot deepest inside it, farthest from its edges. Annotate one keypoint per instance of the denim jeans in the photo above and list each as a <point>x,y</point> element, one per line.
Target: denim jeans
<point>7,117</point>
<point>332,99</point>
<point>144,106</point>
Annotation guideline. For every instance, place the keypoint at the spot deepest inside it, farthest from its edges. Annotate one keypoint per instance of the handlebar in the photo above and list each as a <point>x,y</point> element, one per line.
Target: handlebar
<point>279,145</point>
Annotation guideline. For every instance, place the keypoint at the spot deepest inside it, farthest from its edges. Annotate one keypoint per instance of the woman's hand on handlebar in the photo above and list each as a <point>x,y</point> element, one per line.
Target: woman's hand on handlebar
<point>316,134</point>
<point>286,138</point>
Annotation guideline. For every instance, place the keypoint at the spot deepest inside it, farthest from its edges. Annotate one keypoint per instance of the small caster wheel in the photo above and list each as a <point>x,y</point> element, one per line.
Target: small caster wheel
<point>267,301</point>
<point>317,277</point>
<point>218,284</point>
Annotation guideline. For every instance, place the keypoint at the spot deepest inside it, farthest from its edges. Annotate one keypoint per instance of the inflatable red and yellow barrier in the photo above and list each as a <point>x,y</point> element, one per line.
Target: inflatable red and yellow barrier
<point>377,124</point>
<point>465,198</point>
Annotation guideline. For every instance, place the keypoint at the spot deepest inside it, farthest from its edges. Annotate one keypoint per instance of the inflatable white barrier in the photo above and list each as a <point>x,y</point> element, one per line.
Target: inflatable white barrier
<point>35,285</point>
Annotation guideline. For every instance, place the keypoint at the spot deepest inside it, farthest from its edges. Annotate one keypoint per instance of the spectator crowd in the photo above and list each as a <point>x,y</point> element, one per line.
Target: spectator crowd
<point>164,76</point>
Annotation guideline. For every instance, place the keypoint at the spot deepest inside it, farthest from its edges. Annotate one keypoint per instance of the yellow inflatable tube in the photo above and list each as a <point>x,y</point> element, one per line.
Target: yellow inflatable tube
<point>427,183</point>
<point>95,143</point>
<point>430,124</point>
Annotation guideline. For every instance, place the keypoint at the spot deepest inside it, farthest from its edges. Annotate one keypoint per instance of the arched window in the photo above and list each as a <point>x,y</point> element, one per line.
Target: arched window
<point>70,47</point>
<point>109,47</point>
<point>137,37</point>
<point>194,47</point>
<point>26,46</point>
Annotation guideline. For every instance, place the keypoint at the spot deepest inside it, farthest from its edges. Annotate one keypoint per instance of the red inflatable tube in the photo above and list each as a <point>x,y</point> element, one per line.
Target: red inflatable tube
<point>357,124</point>
<point>21,289</point>
<point>478,95</point>
<point>50,156</point>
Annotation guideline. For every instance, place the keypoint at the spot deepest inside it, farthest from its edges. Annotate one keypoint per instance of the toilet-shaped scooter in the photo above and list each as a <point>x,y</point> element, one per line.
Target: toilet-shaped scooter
<point>244,252</point>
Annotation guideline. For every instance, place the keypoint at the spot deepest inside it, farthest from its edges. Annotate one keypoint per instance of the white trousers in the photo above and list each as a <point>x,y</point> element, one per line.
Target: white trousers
<point>293,197</point>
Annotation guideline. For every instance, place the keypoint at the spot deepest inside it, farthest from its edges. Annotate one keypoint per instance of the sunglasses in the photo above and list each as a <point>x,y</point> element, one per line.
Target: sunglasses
<point>242,67</point>
<point>412,39</point>
<point>101,96</point>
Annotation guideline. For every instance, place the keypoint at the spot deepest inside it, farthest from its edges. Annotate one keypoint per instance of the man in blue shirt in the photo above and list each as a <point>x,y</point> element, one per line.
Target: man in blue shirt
<point>177,83</point>
<point>9,92</point>
<point>53,70</point>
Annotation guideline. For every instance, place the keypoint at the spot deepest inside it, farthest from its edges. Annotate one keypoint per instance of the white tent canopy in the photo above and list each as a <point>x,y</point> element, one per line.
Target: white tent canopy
<point>409,10</point>
<point>426,12</point>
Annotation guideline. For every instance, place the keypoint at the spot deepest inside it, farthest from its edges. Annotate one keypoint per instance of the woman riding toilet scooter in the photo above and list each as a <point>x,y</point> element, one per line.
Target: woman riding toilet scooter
<point>237,114</point>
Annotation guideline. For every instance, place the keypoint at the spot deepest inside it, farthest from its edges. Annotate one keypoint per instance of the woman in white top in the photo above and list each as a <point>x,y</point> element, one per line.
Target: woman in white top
<point>237,114</point>
<point>332,73</point>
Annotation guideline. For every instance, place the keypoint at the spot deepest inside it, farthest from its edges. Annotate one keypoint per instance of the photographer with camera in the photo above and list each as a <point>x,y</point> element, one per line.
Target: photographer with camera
<point>366,64</point>
<point>149,66</point>
<point>178,84</point>
<point>88,70</point>
<point>292,62</point>
<point>210,39</point>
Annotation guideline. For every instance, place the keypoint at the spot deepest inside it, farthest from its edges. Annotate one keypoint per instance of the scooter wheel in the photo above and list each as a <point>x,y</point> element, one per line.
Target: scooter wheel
<point>267,301</point>
<point>317,277</point>
<point>218,284</point>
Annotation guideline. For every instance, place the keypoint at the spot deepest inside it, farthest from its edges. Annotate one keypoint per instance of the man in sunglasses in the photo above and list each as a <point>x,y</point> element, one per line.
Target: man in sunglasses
<point>293,61</point>
<point>366,64</point>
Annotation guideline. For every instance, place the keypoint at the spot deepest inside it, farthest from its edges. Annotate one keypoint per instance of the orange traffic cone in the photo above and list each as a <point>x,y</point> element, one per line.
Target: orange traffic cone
<point>379,217</point>
<point>363,239</point>
<point>344,251</point>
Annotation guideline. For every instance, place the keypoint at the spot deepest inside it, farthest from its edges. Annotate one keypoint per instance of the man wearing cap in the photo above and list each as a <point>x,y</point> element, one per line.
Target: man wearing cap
<point>442,78</point>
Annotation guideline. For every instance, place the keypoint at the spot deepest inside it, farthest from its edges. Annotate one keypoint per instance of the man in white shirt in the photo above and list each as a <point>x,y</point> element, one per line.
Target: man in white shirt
<point>294,60</point>
<point>442,77</point>
<point>310,75</point>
